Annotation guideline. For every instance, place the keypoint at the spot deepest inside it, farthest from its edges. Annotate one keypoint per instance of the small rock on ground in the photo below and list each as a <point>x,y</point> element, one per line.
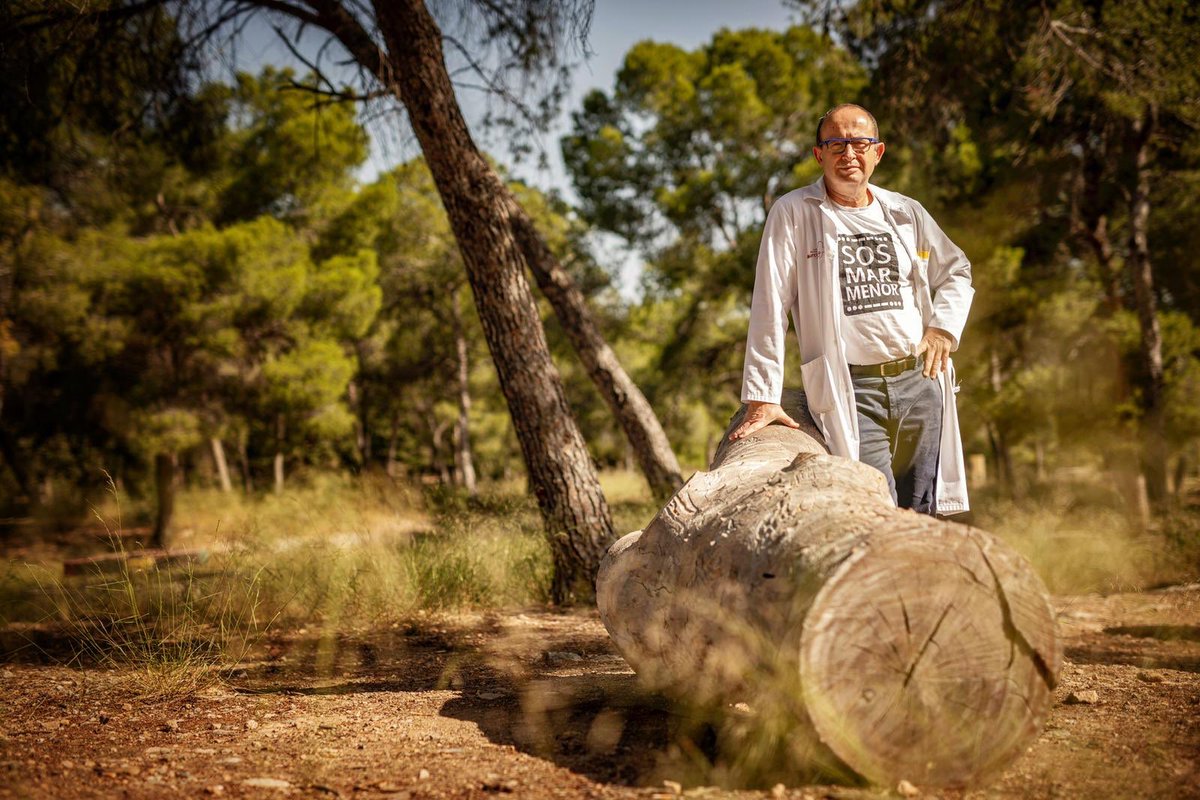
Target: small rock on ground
<point>266,783</point>
<point>1083,697</point>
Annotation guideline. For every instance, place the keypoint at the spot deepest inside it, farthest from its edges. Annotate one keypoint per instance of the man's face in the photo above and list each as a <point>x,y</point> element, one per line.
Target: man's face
<point>850,170</point>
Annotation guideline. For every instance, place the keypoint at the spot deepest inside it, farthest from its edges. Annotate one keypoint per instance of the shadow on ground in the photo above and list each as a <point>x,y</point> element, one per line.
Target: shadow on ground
<point>561,694</point>
<point>1145,646</point>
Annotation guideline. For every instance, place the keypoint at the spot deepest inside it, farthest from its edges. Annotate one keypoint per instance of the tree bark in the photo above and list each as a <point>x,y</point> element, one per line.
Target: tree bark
<point>630,407</point>
<point>164,487</point>
<point>218,454</point>
<point>479,207</point>
<point>462,439</point>
<point>1154,439</point>
<point>882,640</point>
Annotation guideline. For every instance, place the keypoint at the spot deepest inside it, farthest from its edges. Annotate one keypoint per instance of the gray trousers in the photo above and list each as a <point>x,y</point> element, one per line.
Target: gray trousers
<point>900,431</point>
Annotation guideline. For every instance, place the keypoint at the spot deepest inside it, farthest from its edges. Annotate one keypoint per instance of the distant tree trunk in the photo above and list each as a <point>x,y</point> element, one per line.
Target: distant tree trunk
<point>462,439</point>
<point>280,430</point>
<point>218,454</point>
<point>437,430</point>
<point>1089,217</point>
<point>1106,258</point>
<point>479,206</point>
<point>996,436</point>
<point>391,451</point>
<point>244,463</point>
<point>362,438</point>
<point>628,404</point>
<point>164,486</point>
<point>1154,439</point>
<point>18,467</point>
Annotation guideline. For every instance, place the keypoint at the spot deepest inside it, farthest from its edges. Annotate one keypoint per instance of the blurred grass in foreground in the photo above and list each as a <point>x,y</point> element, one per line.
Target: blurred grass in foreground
<point>339,554</point>
<point>333,553</point>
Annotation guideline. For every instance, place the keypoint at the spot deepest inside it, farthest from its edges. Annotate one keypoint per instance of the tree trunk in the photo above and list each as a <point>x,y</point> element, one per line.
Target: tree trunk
<point>462,439</point>
<point>1154,439</point>
<point>393,434</point>
<point>998,437</point>
<point>280,430</point>
<point>164,487</point>
<point>479,207</point>
<point>218,454</point>
<point>362,438</point>
<point>244,463</point>
<point>436,431</point>
<point>629,406</point>
<point>18,467</point>
<point>887,641</point>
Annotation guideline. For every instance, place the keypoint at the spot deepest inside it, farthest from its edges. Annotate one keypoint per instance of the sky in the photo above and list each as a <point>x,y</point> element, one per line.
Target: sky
<point>616,26</point>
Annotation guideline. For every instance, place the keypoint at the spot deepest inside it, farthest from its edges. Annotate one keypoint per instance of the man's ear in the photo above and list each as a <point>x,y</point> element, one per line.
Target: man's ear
<point>817,154</point>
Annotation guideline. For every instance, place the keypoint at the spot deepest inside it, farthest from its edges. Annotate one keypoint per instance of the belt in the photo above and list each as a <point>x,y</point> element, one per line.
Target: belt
<point>888,369</point>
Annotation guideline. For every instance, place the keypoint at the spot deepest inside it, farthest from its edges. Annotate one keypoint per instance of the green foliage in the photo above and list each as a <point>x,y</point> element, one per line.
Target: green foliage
<point>683,159</point>
<point>692,142</point>
<point>284,149</point>
<point>182,262</point>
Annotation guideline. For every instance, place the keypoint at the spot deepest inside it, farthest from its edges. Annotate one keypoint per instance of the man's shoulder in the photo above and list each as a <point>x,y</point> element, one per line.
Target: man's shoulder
<point>892,198</point>
<point>795,199</point>
<point>898,201</point>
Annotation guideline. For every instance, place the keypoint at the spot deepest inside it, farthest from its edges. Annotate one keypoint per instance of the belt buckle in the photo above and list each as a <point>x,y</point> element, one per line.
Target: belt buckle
<point>893,368</point>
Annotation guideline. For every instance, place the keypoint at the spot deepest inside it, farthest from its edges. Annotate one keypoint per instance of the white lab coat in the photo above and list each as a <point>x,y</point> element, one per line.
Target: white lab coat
<point>797,275</point>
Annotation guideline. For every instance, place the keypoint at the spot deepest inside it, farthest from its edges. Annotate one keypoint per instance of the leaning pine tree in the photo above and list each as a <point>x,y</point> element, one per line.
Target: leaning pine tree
<point>398,48</point>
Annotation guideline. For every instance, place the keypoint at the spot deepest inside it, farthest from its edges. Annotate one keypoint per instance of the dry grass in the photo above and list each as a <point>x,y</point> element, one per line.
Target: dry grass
<point>1080,539</point>
<point>337,554</point>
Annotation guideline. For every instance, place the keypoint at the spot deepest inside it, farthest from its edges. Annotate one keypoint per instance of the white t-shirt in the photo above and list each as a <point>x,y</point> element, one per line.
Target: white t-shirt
<point>880,320</point>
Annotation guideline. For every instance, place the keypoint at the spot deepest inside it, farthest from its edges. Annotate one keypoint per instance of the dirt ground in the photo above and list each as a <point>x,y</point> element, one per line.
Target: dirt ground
<point>537,704</point>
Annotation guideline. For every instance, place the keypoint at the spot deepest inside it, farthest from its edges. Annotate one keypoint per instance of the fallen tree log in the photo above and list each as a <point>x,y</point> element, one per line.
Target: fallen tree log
<point>908,647</point>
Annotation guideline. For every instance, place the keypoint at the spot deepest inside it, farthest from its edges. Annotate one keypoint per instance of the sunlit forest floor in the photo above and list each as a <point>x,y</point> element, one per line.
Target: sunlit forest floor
<point>366,638</point>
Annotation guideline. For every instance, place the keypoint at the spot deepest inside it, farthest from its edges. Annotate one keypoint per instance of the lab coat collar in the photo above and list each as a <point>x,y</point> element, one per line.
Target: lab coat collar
<point>816,193</point>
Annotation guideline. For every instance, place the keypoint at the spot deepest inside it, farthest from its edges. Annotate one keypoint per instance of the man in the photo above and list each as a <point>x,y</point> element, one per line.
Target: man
<point>879,296</point>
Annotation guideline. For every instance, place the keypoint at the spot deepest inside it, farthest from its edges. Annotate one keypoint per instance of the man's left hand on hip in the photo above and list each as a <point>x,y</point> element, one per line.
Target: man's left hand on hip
<point>936,344</point>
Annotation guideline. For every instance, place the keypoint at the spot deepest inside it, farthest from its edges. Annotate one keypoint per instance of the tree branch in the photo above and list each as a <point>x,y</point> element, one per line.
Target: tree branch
<point>335,95</point>
<point>50,18</point>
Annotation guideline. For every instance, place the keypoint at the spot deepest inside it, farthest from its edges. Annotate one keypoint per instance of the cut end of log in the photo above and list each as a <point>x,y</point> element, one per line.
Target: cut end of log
<point>929,658</point>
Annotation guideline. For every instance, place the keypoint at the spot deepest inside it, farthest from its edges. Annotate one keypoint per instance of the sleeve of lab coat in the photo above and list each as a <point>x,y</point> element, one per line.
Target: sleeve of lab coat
<point>949,276</point>
<point>774,293</point>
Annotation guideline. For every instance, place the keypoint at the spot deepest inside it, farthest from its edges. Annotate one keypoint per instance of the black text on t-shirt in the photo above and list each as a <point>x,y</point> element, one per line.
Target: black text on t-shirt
<point>870,273</point>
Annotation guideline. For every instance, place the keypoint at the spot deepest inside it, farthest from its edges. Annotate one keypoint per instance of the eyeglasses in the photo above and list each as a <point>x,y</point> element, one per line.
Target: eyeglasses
<point>858,144</point>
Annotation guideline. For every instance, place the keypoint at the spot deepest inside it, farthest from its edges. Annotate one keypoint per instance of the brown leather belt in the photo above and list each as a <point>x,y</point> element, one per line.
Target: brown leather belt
<point>888,369</point>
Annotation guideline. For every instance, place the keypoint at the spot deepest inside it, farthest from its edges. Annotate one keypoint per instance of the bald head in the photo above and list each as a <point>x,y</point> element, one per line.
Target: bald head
<point>843,108</point>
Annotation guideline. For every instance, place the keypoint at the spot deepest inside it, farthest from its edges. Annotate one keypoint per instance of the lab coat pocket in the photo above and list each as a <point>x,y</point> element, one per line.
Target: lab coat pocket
<point>818,385</point>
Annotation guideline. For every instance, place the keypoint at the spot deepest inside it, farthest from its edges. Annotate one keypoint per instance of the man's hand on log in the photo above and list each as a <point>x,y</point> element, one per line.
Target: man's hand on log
<point>760,415</point>
<point>936,344</point>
